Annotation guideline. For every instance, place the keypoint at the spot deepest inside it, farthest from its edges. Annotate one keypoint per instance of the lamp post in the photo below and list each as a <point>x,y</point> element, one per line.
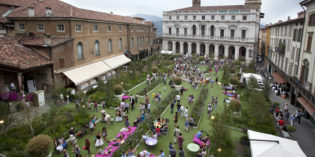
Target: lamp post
<point>212,117</point>
<point>1,121</point>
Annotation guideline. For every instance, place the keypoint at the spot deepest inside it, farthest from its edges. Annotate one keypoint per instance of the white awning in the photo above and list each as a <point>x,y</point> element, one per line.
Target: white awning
<point>117,61</point>
<point>85,73</point>
<point>266,145</point>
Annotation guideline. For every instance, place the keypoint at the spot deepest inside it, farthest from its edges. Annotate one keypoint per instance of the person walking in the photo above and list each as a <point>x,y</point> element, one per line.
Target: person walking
<point>95,106</point>
<point>172,152</point>
<point>215,103</point>
<point>132,101</point>
<point>180,140</point>
<point>172,107</point>
<point>176,118</point>
<point>176,134</point>
<point>87,146</point>
<point>187,125</point>
<point>298,116</point>
<point>149,107</point>
<point>77,151</point>
<point>181,152</point>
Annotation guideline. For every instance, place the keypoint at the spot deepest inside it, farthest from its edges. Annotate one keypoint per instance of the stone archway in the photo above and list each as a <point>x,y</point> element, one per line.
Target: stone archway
<point>170,46</point>
<point>242,55</point>
<point>232,52</point>
<point>177,47</point>
<point>221,51</point>
<point>202,49</point>
<point>193,48</point>
<point>185,48</point>
<point>211,51</point>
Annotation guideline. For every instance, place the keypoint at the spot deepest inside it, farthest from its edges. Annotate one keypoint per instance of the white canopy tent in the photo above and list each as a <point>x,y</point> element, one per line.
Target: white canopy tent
<point>247,77</point>
<point>266,145</point>
<point>167,52</point>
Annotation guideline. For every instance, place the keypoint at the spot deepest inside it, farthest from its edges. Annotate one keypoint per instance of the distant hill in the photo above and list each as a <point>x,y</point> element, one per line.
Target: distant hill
<point>155,19</point>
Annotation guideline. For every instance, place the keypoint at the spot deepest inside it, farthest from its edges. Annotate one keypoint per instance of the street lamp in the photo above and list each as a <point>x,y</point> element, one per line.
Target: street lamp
<point>212,117</point>
<point>219,150</point>
<point>1,121</point>
<point>121,83</point>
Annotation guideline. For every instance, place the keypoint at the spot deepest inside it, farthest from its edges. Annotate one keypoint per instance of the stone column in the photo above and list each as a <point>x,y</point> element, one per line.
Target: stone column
<point>207,50</point>
<point>216,51</point>
<point>249,59</point>
<point>226,51</point>
<point>198,48</point>
<point>20,85</point>
<point>237,52</point>
<point>165,46</point>
<point>189,48</point>
<point>181,48</point>
<point>174,46</point>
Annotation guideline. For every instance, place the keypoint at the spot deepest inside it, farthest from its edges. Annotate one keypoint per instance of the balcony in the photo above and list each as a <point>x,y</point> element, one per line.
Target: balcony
<point>207,37</point>
<point>295,83</point>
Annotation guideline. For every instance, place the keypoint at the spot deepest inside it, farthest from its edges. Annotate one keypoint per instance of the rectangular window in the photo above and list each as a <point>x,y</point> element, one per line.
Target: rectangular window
<point>244,18</point>
<point>309,42</point>
<point>222,33</point>
<point>61,63</point>
<point>233,18</point>
<point>78,28</point>
<point>194,17</point>
<point>169,31</point>
<point>109,28</point>
<point>40,28</point>
<point>170,17</point>
<point>222,17</point>
<point>212,17</point>
<point>232,33</point>
<point>177,17</point>
<point>203,17</point>
<point>120,29</point>
<point>177,31</point>
<point>60,28</point>
<point>185,17</point>
<point>297,58</point>
<point>185,31</point>
<point>95,28</point>
<point>22,27</point>
<point>243,33</point>
<point>311,21</point>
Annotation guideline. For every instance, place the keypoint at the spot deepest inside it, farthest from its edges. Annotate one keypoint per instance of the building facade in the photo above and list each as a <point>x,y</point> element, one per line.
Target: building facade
<point>215,31</point>
<point>76,40</point>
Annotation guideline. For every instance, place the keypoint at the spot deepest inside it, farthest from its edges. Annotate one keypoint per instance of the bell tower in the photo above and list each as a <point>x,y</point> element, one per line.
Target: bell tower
<point>196,3</point>
<point>253,4</point>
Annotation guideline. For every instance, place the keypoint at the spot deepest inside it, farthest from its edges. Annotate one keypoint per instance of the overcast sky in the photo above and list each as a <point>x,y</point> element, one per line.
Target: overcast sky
<point>274,9</point>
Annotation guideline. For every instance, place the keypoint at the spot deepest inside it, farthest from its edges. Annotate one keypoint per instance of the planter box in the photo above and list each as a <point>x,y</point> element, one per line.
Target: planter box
<point>119,96</point>
<point>178,87</point>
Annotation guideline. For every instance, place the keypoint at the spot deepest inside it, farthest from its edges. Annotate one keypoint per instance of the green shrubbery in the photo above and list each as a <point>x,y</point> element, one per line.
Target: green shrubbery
<point>234,81</point>
<point>199,103</point>
<point>39,146</point>
<point>235,105</point>
<point>118,89</point>
<point>155,69</point>
<point>178,81</point>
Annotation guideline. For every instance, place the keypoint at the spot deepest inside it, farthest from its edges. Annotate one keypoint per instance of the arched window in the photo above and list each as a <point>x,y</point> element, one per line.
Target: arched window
<point>194,30</point>
<point>110,45</point>
<point>212,31</point>
<point>97,48</point>
<point>120,44</point>
<point>80,51</point>
<point>132,43</point>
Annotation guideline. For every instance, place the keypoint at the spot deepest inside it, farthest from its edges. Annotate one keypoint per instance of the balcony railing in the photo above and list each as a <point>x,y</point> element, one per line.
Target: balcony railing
<point>294,83</point>
<point>207,37</point>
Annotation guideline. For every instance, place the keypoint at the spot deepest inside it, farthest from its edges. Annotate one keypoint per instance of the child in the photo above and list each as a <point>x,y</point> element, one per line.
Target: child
<point>187,125</point>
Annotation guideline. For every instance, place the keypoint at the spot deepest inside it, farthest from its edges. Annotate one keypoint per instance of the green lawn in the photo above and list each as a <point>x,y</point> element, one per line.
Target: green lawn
<point>114,128</point>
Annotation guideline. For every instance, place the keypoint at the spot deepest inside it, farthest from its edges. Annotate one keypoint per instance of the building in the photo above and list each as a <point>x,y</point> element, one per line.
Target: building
<point>83,45</point>
<point>264,41</point>
<point>215,31</point>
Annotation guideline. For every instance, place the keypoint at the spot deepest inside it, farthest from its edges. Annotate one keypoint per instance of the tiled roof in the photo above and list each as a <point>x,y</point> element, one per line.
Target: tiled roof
<point>63,10</point>
<point>206,8</point>
<point>15,2</point>
<point>17,56</point>
<point>40,41</point>
<point>3,10</point>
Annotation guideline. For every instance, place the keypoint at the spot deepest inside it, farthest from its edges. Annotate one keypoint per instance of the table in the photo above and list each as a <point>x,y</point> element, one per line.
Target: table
<point>193,147</point>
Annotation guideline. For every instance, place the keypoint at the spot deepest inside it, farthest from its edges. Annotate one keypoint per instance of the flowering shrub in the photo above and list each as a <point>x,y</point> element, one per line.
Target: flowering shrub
<point>29,97</point>
<point>11,96</point>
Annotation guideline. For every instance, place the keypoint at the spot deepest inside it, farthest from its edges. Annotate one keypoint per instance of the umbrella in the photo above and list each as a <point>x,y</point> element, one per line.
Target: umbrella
<point>266,145</point>
<point>193,147</point>
<point>151,141</point>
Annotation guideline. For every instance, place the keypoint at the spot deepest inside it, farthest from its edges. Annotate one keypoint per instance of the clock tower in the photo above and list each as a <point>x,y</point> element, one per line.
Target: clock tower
<point>196,3</point>
<point>253,4</point>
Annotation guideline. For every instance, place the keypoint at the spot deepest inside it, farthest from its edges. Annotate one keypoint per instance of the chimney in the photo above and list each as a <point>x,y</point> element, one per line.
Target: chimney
<point>48,12</point>
<point>196,3</point>
<point>289,18</point>
<point>30,12</point>
<point>47,39</point>
<point>301,14</point>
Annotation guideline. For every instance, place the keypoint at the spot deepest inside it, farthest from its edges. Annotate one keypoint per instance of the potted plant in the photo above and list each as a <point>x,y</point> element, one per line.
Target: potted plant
<point>235,106</point>
<point>118,90</point>
<point>178,83</point>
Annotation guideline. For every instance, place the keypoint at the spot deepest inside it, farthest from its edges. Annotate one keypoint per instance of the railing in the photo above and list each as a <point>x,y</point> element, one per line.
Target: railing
<point>207,37</point>
<point>298,86</point>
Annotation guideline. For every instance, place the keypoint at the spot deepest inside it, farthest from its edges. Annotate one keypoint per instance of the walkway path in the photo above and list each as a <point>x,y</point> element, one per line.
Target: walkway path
<point>305,132</point>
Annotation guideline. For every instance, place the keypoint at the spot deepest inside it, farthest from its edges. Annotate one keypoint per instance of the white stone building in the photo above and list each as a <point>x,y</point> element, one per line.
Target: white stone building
<point>216,31</point>
<point>285,43</point>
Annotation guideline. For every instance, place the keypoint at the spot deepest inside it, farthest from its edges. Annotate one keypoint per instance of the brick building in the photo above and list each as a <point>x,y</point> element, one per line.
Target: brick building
<point>83,45</point>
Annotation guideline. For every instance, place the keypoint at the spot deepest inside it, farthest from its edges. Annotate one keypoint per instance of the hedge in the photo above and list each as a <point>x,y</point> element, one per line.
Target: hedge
<point>132,141</point>
<point>150,87</point>
<point>198,105</point>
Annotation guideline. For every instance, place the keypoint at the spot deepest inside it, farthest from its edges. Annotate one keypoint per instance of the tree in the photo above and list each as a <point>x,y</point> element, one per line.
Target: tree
<point>39,146</point>
<point>252,83</point>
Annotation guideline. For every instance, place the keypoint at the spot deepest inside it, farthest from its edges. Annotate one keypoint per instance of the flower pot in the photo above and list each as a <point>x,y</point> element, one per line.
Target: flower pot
<point>178,87</point>
<point>119,96</point>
